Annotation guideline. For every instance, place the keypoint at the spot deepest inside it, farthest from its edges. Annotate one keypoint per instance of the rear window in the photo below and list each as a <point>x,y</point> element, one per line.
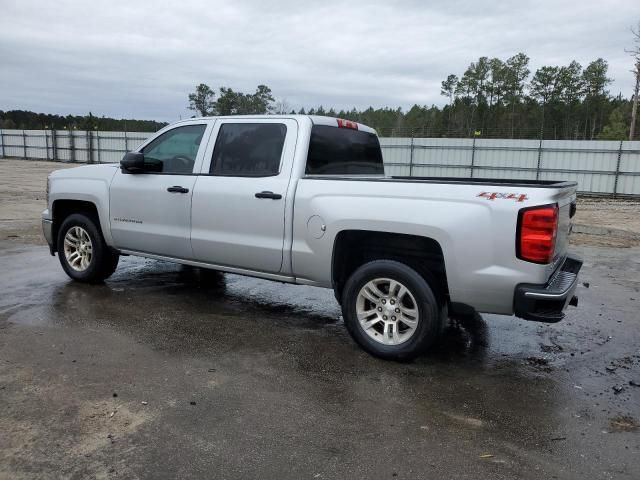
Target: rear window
<point>343,151</point>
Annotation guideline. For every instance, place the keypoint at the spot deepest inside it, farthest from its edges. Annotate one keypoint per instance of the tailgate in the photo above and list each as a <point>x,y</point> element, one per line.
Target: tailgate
<point>566,211</point>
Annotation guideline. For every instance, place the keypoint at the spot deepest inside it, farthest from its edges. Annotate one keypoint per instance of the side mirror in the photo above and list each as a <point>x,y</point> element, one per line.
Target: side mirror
<point>132,162</point>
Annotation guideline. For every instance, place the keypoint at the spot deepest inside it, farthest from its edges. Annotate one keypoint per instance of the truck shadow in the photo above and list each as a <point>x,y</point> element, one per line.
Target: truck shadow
<point>200,301</point>
<point>462,337</point>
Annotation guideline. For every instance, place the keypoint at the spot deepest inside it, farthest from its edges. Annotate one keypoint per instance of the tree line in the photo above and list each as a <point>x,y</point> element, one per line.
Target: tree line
<point>23,119</point>
<point>566,101</point>
<point>502,99</point>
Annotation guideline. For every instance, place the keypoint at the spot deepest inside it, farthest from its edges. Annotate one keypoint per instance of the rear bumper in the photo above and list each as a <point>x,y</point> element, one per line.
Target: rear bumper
<point>547,302</point>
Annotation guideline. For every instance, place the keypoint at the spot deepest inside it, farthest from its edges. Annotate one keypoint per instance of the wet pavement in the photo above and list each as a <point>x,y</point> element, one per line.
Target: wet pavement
<point>172,372</point>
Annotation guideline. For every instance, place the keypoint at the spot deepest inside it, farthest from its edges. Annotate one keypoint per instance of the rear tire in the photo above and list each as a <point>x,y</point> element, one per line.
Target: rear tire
<point>82,251</point>
<point>391,311</point>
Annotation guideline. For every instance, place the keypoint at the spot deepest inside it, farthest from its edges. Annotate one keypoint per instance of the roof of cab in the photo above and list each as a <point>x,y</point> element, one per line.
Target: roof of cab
<point>315,120</point>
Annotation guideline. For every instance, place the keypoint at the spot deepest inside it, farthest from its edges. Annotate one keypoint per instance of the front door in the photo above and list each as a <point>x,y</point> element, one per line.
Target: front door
<point>150,212</point>
<point>238,205</point>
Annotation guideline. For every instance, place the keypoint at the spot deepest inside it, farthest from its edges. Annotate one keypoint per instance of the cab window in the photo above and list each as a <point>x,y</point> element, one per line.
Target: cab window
<point>174,151</point>
<point>248,149</point>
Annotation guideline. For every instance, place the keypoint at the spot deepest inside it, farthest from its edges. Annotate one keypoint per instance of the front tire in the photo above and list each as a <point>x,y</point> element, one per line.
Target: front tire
<point>82,251</point>
<point>391,311</point>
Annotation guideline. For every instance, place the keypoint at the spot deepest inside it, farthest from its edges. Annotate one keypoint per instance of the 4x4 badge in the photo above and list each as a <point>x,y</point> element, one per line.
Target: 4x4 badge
<point>518,197</point>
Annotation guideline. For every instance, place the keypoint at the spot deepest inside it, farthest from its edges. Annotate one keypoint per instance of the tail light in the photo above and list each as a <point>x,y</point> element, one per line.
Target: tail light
<point>347,124</point>
<point>537,229</point>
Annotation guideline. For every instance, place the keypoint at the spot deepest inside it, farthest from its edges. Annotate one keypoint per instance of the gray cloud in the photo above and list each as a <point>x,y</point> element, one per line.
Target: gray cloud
<point>141,59</point>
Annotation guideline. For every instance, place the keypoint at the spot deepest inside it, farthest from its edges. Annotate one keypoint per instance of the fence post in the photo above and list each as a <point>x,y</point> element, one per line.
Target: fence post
<point>539,159</point>
<point>72,146</point>
<point>46,145</point>
<point>473,154</point>
<point>4,152</point>
<point>54,145</point>
<point>89,146</point>
<point>411,157</point>
<point>98,142</point>
<point>24,144</point>
<point>615,182</point>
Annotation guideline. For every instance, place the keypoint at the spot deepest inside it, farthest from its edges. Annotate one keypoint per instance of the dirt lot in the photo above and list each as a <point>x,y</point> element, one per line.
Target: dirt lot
<point>170,372</point>
<point>22,198</point>
<point>609,222</point>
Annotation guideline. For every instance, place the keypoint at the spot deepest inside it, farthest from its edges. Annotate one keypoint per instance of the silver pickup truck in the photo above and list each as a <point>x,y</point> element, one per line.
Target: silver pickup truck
<point>304,199</point>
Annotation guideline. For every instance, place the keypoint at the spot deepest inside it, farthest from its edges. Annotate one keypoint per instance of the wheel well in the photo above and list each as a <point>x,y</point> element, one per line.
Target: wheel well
<point>354,248</point>
<point>63,208</point>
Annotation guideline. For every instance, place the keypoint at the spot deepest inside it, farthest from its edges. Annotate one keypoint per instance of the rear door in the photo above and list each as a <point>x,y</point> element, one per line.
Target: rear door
<point>238,205</point>
<point>151,212</point>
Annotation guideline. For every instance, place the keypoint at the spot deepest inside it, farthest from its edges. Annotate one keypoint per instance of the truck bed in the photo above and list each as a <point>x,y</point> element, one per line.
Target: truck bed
<point>454,180</point>
<point>491,181</point>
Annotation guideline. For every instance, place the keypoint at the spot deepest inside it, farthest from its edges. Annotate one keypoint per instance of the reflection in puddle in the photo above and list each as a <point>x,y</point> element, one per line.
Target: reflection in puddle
<point>466,336</point>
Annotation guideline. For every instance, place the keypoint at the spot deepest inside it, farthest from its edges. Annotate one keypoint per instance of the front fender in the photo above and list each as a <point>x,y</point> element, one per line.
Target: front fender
<point>75,184</point>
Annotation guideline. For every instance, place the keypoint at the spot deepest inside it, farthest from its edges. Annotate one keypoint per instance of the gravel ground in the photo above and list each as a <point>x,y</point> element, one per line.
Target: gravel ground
<point>617,222</point>
<point>606,212</point>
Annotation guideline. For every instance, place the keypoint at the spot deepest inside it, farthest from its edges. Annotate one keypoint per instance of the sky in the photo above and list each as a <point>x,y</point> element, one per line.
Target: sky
<point>141,59</point>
